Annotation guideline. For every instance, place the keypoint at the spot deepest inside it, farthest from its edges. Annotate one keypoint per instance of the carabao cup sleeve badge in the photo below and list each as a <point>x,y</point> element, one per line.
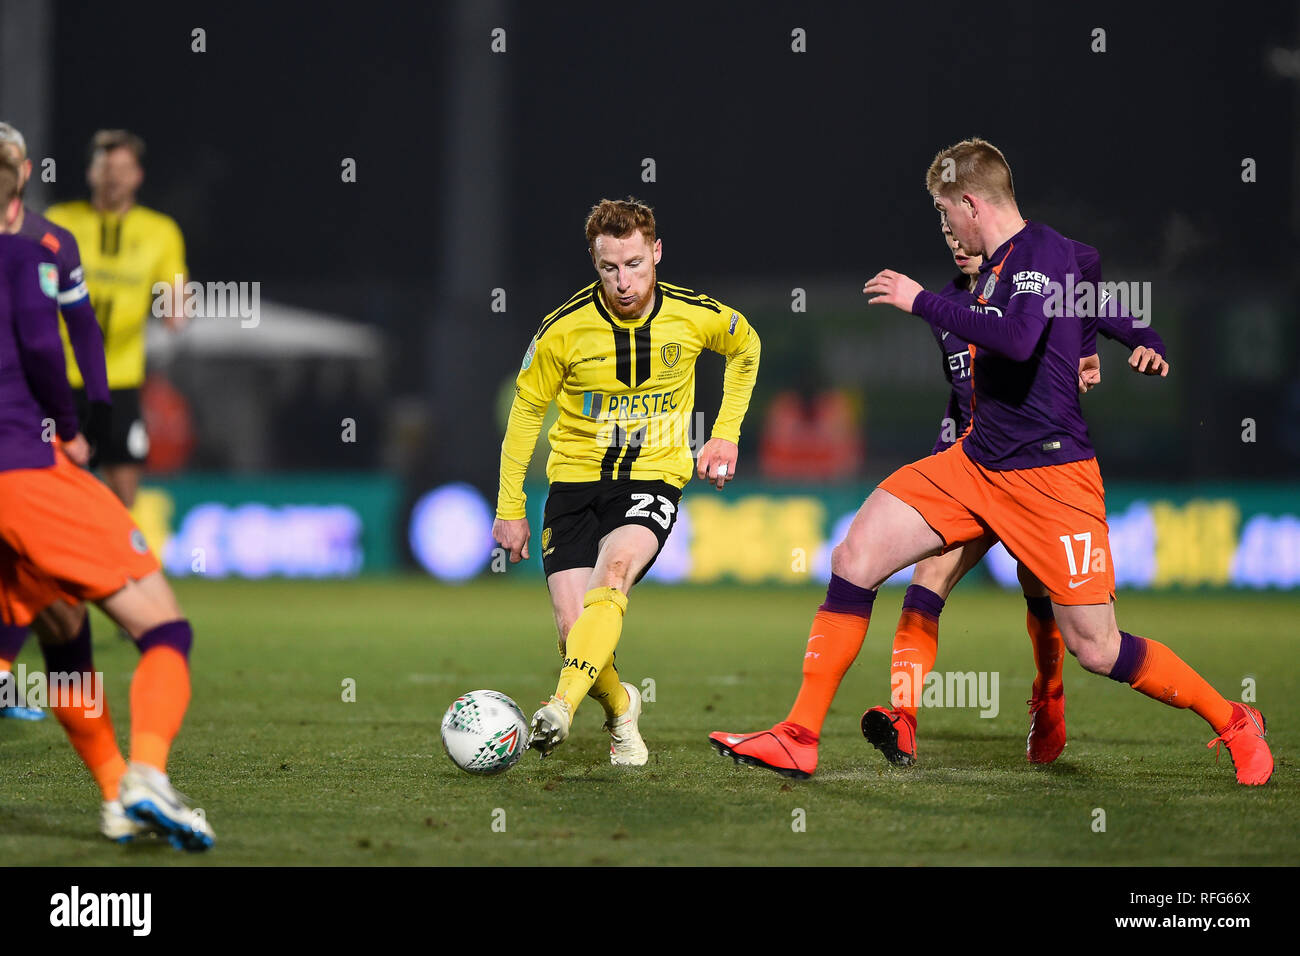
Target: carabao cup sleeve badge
<point>528,356</point>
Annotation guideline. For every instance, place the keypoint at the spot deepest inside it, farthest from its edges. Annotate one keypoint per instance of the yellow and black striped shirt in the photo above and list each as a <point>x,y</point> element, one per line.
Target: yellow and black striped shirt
<point>124,257</point>
<point>625,389</point>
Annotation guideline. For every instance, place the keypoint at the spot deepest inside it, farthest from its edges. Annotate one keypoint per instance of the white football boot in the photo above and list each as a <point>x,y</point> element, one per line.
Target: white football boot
<point>148,798</point>
<point>550,725</point>
<point>626,748</point>
<point>116,825</point>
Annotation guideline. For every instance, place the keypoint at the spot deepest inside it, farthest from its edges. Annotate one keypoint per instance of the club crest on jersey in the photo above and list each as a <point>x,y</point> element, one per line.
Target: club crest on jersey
<point>49,276</point>
<point>988,286</point>
<point>670,353</point>
<point>528,356</point>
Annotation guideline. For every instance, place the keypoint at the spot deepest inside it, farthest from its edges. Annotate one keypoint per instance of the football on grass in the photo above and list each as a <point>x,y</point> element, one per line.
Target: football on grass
<point>484,732</point>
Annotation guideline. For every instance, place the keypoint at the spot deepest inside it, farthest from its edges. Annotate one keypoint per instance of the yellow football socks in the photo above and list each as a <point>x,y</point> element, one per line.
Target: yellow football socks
<point>607,690</point>
<point>590,647</point>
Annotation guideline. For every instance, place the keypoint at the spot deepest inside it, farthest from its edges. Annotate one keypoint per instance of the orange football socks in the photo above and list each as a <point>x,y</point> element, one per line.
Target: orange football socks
<point>838,630</point>
<point>160,692</point>
<point>78,699</point>
<point>916,645</point>
<point>1049,648</point>
<point>1153,669</point>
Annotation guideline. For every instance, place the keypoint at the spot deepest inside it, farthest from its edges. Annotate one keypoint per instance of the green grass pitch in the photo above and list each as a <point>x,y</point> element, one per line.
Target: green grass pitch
<point>290,773</point>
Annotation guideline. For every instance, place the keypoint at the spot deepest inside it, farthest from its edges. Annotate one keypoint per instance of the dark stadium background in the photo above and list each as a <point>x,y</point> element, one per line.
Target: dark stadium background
<point>774,171</point>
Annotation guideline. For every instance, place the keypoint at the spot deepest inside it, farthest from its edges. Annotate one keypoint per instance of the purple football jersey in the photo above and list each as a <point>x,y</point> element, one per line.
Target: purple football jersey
<point>84,333</point>
<point>1026,370</point>
<point>33,378</point>
<point>1112,321</point>
<point>67,256</point>
<point>957,362</point>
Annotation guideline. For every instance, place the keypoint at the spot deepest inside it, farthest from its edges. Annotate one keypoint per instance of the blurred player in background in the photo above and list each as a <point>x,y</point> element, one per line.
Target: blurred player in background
<point>87,345</point>
<point>892,730</point>
<point>619,360</point>
<point>65,539</point>
<point>126,248</point>
<point>1025,471</point>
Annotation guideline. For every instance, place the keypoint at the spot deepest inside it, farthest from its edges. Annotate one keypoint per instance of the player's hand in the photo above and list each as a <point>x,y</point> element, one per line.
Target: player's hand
<point>513,536</point>
<point>77,449</point>
<point>717,461</point>
<point>892,288</point>
<point>1089,372</point>
<point>1148,361</point>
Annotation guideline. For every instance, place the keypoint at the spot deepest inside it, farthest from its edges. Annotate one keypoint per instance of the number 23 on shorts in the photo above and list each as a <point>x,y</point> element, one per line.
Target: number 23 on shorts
<point>639,509</point>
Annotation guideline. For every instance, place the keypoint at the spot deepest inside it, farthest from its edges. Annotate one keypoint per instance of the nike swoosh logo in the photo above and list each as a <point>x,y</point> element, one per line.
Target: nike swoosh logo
<point>814,637</point>
<point>1075,584</point>
<point>734,740</point>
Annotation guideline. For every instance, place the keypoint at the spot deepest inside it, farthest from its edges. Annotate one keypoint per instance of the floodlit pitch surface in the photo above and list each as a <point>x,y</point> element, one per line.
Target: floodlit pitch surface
<point>289,772</point>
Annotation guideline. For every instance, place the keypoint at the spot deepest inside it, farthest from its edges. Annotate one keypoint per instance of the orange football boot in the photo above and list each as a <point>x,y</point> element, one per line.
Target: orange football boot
<point>893,733</point>
<point>1244,738</point>
<point>776,749</point>
<point>1046,737</point>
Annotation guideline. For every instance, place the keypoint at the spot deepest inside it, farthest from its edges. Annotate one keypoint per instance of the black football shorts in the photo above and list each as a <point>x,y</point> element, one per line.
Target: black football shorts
<point>128,442</point>
<point>580,513</point>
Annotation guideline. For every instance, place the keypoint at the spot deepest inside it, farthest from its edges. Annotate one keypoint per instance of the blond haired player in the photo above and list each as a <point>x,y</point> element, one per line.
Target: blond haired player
<point>1025,471</point>
<point>618,358</point>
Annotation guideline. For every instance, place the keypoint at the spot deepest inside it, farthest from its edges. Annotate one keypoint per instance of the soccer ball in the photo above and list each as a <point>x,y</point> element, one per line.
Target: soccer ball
<point>484,732</point>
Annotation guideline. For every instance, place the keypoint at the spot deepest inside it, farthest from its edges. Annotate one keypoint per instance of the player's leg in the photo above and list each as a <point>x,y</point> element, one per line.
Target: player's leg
<point>121,462</point>
<point>148,611</point>
<point>80,704</point>
<point>887,534</point>
<point>1093,636</point>
<point>160,688</point>
<point>892,729</point>
<point>13,702</point>
<point>593,636</point>
<point>71,528</point>
<point>1046,737</point>
<point>567,589</point>
<point>1054,519</point>
<point>123,481</point>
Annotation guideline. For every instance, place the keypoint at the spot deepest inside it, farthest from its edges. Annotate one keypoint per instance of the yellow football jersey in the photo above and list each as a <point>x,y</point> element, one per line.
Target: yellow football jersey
<point>123,256</point>
<point>626,389</point>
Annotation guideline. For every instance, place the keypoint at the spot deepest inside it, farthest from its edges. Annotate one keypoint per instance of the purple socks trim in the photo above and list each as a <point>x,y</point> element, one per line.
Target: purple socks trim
<point>174,634</point>
<point>1132,655</point>
<point>73,657</point>
<point>12,639</point>
<point>1040,607</point>
<point>924,600</point>
<point>845,597</point>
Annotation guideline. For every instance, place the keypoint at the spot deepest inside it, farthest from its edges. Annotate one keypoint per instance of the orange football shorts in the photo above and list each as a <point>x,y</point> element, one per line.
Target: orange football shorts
<point>1051,518</point>
<point>63,536</point>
